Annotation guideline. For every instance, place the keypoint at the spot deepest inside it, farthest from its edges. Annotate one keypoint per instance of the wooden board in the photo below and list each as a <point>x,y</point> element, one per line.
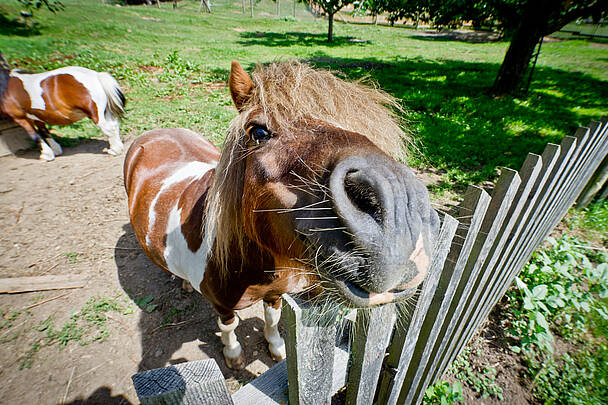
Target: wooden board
<point>193,383</point>
<point>41,283</point>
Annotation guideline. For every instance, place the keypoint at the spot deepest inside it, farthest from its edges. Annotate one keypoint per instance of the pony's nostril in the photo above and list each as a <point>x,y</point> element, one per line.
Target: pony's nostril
<point>362,195</point>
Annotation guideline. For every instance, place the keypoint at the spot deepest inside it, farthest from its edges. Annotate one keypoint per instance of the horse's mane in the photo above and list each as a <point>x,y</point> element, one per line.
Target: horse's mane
<point>288,92</point>
<point>5,71</point>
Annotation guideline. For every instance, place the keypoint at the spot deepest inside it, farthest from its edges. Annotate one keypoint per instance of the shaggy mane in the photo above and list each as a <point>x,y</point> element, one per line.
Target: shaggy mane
<point>288,92</point>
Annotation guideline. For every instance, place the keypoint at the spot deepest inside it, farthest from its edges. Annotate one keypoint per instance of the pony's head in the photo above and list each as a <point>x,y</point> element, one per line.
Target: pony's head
<point>309,174</point>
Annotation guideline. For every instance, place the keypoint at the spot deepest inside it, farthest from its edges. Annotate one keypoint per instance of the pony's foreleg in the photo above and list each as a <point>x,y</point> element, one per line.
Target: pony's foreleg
<point>110,127</point>
<point>46,153</point>
<point>233,353</point>
<point>272,315</point>
<point>46,136</point>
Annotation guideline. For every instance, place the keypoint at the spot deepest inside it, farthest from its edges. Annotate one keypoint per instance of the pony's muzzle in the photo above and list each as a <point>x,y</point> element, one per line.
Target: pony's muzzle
<point>385,211</point>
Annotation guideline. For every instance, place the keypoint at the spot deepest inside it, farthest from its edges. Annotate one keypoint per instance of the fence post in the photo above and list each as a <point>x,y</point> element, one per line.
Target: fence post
<point>310,343</point>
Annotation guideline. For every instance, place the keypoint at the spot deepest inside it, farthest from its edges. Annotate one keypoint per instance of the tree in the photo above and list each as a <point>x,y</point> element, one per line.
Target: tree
<point>331,7</point>
<point>539,18</point>
<point>524,21</point>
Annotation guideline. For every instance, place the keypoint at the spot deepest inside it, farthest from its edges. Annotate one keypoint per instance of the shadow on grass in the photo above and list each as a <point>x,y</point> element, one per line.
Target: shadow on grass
<point>10,26</point>
<point>467,133</point>
<point>274,39</point>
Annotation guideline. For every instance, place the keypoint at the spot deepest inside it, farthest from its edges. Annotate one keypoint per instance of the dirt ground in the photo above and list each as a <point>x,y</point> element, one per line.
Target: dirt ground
<point>70,216</point>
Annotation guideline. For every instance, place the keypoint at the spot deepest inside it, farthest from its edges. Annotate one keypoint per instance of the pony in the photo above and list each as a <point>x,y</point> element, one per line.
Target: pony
<point>61,97</point>
<point>307,196</point>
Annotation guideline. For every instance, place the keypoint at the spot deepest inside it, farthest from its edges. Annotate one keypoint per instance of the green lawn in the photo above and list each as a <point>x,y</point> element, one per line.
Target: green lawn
<point>172,63</point>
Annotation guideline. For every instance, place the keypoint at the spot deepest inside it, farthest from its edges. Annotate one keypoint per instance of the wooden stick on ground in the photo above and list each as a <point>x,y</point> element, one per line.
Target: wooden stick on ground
<point>46,300</point>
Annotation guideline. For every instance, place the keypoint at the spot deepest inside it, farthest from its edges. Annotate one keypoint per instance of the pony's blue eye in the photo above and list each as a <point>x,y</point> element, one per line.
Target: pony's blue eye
<point>259,134</point>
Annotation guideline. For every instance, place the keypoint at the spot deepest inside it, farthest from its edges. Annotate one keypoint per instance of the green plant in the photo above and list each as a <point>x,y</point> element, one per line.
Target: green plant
<point>561,291</point>
<point>145,304</point>
<point>481,378</point>
<point>444,393</point>
<point>84,327</point>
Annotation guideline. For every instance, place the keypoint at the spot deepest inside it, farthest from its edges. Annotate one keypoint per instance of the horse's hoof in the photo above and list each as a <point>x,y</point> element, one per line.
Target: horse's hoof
<point>113,152</point>
<point>186,286</point>
<point>57,150</point>
<point>236,363</point>
<point>47,157</point>
<point>277,352</point>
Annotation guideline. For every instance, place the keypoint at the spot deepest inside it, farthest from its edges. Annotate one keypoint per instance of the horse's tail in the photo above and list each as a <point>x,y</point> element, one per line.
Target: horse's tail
<point>116,99</point>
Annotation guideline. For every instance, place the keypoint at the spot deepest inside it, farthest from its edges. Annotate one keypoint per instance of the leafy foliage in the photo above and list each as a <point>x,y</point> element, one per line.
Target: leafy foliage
<point>561,291</point>
<point>444,393</point>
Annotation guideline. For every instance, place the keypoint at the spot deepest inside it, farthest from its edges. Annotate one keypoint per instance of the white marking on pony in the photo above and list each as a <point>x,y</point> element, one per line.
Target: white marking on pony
<point>46,152</point>
<point>32,117</point>
<point>232,347</point>
<point>276,344</point>
<point>194,170</point>
<point>180,260</point>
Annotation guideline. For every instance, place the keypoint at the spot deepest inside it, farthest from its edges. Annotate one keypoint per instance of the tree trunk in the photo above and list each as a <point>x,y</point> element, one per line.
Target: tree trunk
<point>530,30</point>
<point>330,32</point>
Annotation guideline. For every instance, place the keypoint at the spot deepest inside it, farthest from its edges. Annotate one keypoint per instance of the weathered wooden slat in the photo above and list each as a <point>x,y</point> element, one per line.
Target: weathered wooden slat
<point>592,143</point>
<point>196,382</point>
<point>460,338</point>
<point>527,241</point>
<point>372,334</point>
<point>500,203</point>
<point>310,353</point>
<point>579,170</point>
<point>550,214</point>
<point>41,283</point>
<point>528,174</point>
<point>403,341</point>
<point>271,387</point>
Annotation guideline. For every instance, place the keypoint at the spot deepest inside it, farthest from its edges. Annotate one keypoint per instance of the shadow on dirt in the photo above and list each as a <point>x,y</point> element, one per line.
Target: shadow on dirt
<point>101,396</point>
<point>172,317</point>
<point>70,146</point>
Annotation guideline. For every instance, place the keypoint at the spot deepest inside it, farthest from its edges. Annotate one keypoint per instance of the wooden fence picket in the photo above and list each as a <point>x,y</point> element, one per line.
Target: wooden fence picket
<point>404,341</point>
<point>373,330</point>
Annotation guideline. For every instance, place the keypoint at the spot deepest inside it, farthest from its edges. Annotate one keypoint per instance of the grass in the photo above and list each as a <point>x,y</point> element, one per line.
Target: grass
<point>173,66</point>
<point>85,326</point>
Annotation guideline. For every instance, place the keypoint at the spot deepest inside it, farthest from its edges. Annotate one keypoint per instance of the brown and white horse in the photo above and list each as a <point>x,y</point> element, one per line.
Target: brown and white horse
<point>305,196</point>
<point>61,97</point>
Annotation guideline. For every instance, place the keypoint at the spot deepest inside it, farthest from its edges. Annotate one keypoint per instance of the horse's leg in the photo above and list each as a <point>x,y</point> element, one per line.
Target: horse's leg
<point>46,153</point>
<point>46,136</point>
<point>233,353</point>
<point>108,124</point>
<point>272,315</point>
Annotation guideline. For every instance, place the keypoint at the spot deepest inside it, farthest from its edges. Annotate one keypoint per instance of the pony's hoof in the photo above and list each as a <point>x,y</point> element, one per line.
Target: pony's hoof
<point>57,150</point>
<point>47,157</point>
<point>113,152</point>
<point>186,286</point>
<point>235,363</point>
<point>277,352</point>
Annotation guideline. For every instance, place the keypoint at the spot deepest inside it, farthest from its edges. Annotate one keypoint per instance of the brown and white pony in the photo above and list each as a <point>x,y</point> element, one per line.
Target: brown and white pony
<point>305,196</point>
<point>61,97</point>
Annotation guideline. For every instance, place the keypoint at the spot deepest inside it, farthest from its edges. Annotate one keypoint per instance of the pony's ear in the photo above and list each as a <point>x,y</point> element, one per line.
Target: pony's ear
<point>240,84</point>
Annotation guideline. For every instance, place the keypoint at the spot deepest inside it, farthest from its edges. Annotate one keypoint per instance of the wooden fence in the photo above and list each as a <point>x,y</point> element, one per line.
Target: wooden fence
<point>386,356</point>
